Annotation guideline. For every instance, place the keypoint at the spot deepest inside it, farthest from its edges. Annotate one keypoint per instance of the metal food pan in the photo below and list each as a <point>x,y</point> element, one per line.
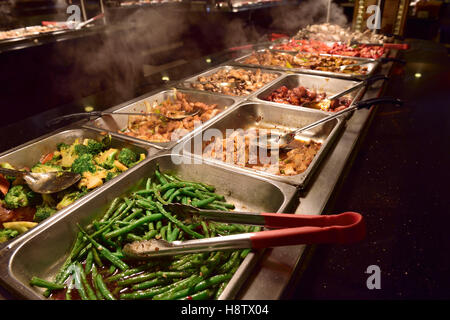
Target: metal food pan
<point>186,83</point>
<point>321,84</point>
<point>328,43</point>
<point>28,154</point>
<point>372,66</point>
<point>42,253</point>
<point>248,114</point>
<point>113,124</point>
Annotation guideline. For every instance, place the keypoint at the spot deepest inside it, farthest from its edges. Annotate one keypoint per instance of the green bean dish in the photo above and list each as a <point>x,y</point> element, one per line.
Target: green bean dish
<point>97,269</point>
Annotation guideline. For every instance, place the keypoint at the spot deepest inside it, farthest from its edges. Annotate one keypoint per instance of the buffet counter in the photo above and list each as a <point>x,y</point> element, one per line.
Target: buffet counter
<point>265,274</point>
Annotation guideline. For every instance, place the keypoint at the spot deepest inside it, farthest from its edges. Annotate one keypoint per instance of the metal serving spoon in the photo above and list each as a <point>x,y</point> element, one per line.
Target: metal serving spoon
<point>325,104</point>
<point>49,182</point>
<point>291,229</point>
<point>88,115</point>
<point>273,141</point>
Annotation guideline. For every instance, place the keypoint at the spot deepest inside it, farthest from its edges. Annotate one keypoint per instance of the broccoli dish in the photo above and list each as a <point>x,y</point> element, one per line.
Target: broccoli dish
<point>96,161</point>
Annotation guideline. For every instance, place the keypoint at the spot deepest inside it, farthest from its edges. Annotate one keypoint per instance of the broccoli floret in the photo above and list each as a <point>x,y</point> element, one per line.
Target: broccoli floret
<point>127,157</point>
<point>107,141</point>
<point>6,234</point>
<point>106,159</point>
<point>68,156</point>
<point>141,158</point>
<point>20,196</point>
<point>61,146</point>
<point>111,175</point>
<point>43,212</point>
<point>44,168</point>
<point>94,147</point>
<point>84,163</point>
<point>69,198</point>
<point>6,165</point>
<point>81,149</point>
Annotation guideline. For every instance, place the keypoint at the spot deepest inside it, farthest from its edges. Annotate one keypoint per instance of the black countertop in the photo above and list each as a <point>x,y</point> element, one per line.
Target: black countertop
<point>399,182</point>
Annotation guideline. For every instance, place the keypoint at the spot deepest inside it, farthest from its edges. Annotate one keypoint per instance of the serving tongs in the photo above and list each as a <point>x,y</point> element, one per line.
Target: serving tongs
<point>95,114</point>
<point>290,229</point>
<point>280,141</point>
<point>395,46</point>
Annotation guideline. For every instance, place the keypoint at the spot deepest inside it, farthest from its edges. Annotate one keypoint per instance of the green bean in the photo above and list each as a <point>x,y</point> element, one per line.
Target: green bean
<point>161,178</point>
<point>171,294</point>
<point>117,212</point>
<point>202,295</point>
<point>173,235</point>
<point>136,279</point>
<point>184,200</point>
<point>134,225</point>
<point>89,291</point>
<point>148,184</point>
<point>168,193</point>
<point>96,257</point>
<point>135,213</point>
<point>79,284</point>
<point>173,195</point>
<point>39,282</point>
<point>105,252</point>
<point>69,290</point>
<point>146,294</point>
<point>96,289</point>
<point>158,225</point>
<point>202,285</point>
<point>149,235</point>
<point>111,208</point>
<point>89,262</point>
<point>205,229</point>
<point>203,203</point>
<point>149,284</point>
<point>132,271</point>
<point>178,223</point>
<point>133,237</point>
<point>245,252</point>
<point>224,204</point>
<point>220,290</point>
<point>187,192</point>
<point>229,264</point>
<point>144,192</point>
<point>103,288</point>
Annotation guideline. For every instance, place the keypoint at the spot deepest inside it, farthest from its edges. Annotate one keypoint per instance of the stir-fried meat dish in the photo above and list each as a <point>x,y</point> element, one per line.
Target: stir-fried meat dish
<point>235,82</point>
<point>305,61</point>
<point>314,46</point>
<point>240,148</point>
<point>160,129</point>
<point>300,95</point>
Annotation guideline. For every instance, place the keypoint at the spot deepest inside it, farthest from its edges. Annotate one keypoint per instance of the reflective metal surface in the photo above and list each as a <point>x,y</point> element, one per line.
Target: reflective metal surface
<point>42,251</point>
<point>268,115</point>
<point>371,66</point>
<point>30,153</point>
<point>114,124</point>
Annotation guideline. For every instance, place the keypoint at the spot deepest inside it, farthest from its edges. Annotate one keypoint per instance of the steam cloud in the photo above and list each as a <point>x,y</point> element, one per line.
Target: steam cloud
<point>309,12</point>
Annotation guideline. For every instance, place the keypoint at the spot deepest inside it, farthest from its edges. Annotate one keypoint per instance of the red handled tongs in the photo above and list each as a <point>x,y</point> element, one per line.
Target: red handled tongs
<point>289,229</point>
